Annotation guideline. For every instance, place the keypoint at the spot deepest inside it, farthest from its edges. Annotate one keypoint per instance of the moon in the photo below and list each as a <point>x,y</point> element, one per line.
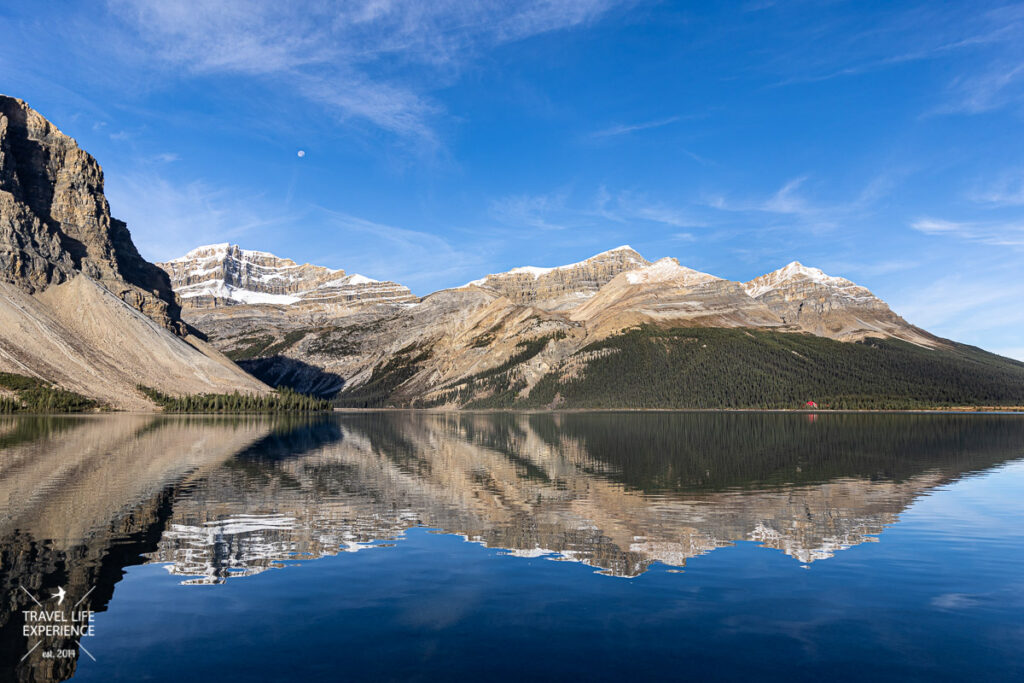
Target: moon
<point>302,153</point>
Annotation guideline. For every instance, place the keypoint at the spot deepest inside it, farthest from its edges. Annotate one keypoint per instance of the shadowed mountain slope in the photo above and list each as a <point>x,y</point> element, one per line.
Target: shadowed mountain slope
<point>78,305</point>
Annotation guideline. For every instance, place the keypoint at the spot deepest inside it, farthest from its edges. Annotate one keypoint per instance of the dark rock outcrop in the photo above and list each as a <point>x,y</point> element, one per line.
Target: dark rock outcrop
<point>79,306</point>
<point>55,220</point>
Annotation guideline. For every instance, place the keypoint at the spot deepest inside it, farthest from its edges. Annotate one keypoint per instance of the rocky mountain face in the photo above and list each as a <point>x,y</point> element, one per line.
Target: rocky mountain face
<point>666,292</point>
<point>493,340</point>
<point>55,221</point>
<point>226,275</point>
<point>561,287</point>
<point>81,308</point>
<point>830,306</point>
<point>78,305</point>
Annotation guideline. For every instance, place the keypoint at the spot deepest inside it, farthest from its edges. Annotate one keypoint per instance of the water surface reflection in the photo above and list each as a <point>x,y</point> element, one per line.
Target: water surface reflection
<point>216,499</point>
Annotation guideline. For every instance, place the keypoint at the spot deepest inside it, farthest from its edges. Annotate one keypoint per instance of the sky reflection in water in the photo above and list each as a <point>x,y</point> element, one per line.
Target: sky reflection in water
<point>603,545</point>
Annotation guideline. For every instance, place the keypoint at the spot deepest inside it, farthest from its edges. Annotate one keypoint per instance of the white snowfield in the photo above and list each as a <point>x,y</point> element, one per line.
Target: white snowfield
<point>358,279</point>
<point>219,289</point>
<point>259,277</point>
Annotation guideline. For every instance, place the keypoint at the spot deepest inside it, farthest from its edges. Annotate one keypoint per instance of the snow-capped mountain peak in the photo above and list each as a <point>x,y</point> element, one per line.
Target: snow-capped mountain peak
<point>226,274</point>
<point>797,272</point>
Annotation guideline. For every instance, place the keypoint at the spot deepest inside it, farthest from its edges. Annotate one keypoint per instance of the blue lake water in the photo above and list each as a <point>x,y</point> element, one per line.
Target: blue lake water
<point>604,546</point>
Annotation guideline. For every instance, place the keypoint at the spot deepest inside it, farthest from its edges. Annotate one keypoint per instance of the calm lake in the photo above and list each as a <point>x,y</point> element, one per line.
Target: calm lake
<point>595,546</point>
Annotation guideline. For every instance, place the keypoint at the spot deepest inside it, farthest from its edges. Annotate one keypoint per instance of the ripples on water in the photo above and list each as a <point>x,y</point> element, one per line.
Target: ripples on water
<point>210,503</point>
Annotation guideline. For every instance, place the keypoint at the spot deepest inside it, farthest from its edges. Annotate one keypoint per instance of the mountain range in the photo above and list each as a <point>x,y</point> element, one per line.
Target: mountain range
<point>82,310</point>
<point>614,330</point>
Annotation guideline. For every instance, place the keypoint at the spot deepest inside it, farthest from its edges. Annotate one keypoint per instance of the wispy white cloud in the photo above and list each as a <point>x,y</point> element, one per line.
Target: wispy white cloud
<point>630,207</point>
<point>781,222</point>
<point>1007,191</point>
<point>540,211</point>
<point>412,257</point>
<point>926,52</point>
<point>872,268</point>
<point>788,207</point>
<point>792,203</point>
<point>992,88</point>
<point>997,234</point>
<point>168,218</point>
<point>786,200</point>
<point>981,46</point>
<point>625,129</point>
<point>372,60</point>
<point>556,211</point>
<point>978,309</point>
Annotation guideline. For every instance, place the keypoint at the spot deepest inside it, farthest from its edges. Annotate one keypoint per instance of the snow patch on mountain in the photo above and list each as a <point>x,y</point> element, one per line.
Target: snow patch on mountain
<point>219,274</point>
<point>795,273</point>
<point>221,290</point>
<point>667,269</point>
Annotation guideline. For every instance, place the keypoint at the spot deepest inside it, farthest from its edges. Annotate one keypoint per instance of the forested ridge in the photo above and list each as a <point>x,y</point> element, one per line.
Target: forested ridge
<point>32,395</point>
<point>652,367</point>
<point>282,399</point>
<point>707,368</point>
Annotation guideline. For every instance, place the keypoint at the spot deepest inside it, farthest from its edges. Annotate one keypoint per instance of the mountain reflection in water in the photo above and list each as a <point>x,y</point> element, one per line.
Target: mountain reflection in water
<point>216,498</point>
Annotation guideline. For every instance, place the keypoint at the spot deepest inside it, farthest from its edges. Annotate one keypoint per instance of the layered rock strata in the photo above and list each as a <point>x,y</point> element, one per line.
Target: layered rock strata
<point>79,306</point>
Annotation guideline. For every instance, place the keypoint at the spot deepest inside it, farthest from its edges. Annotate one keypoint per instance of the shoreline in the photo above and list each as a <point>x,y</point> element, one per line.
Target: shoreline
<point>965,410</point>
<point>971,410</point>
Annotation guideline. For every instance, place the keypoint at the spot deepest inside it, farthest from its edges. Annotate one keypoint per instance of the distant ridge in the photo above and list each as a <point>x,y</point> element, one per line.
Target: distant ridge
<point>613,330</point>
<point>792,298</point>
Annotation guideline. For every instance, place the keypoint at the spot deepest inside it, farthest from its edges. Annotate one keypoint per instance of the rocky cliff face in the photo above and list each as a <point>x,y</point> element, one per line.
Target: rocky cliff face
<point>830,306</point>
<point>561,287</point>
<point>78,305</point>
<point>55,221</point>
<point>668,292</point>
<point>226,275</point>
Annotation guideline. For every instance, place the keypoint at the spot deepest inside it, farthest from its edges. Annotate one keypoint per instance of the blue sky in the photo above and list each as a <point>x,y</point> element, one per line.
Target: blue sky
<point>881,141</point>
